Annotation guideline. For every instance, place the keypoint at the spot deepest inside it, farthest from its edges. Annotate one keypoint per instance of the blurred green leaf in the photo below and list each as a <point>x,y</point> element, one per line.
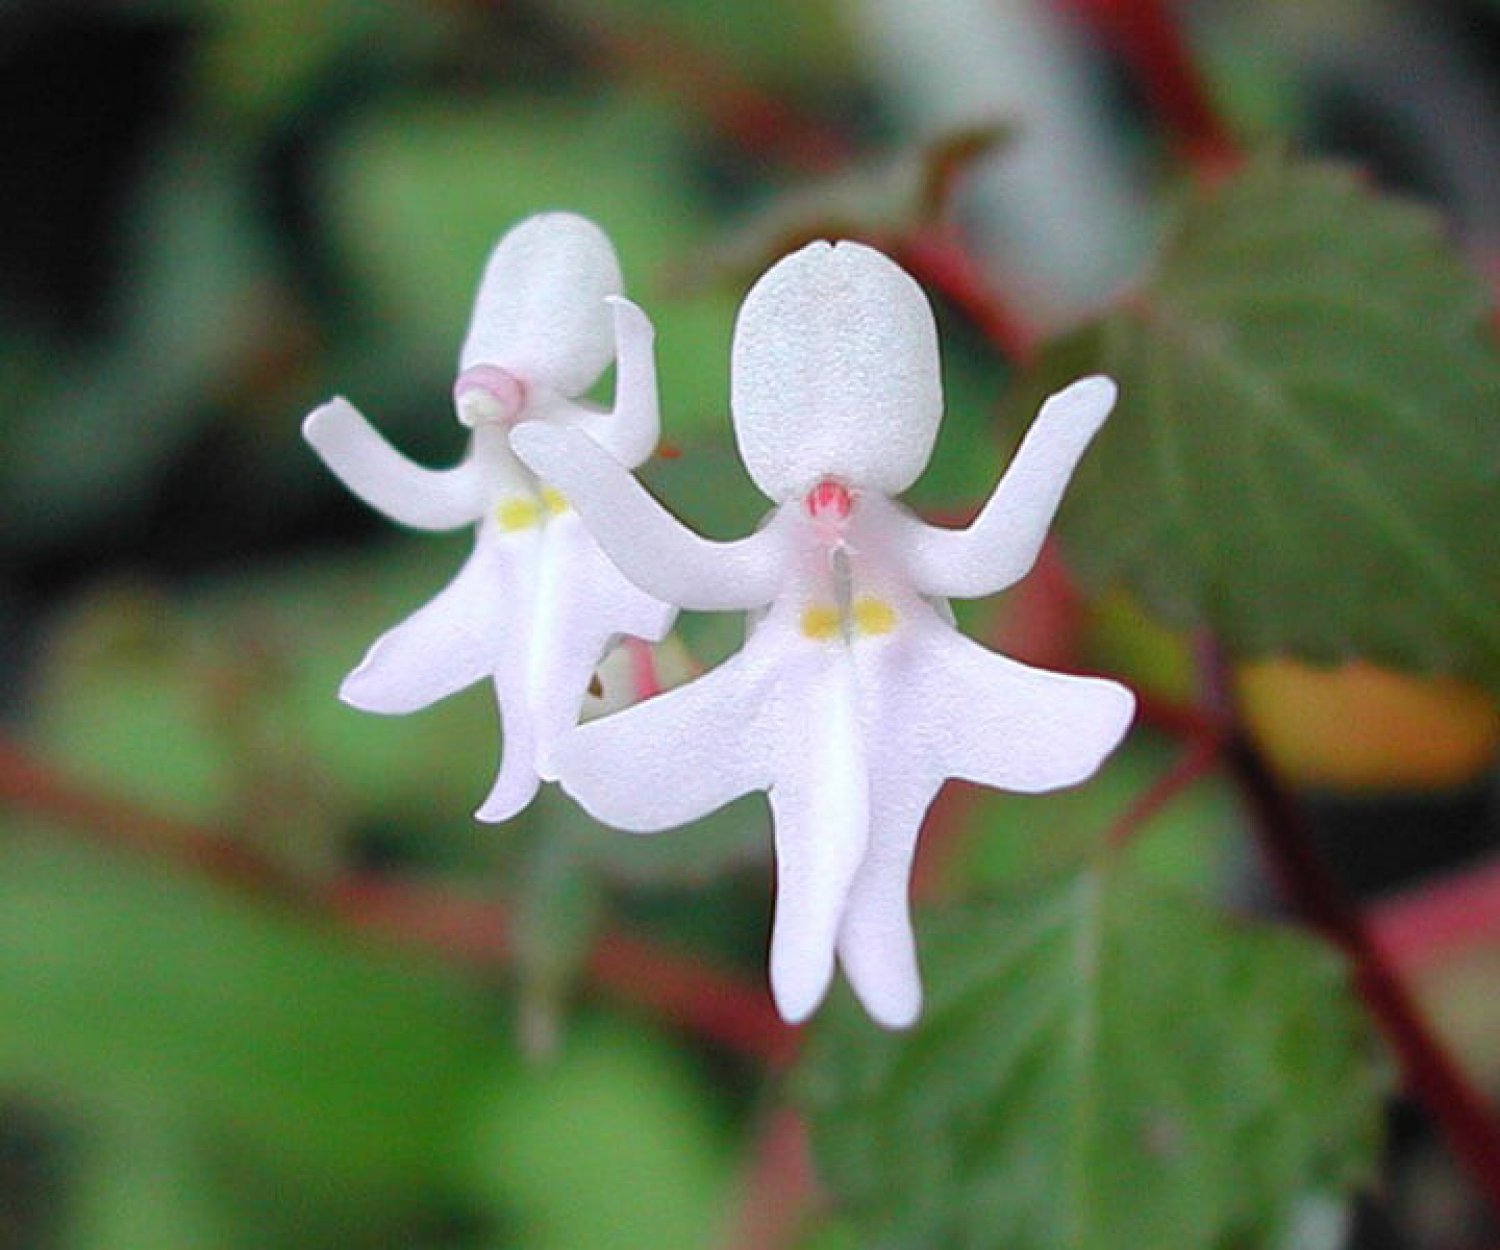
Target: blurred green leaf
<point>419,194</point>
<point>119,983</point>
<point>785,40</point>
<point>143,1183</point>
<point>613,1143</point>
<point>1103,1064</point>
<point>1013,839</point>
<point>1304,455</point>
<point>193,294</point>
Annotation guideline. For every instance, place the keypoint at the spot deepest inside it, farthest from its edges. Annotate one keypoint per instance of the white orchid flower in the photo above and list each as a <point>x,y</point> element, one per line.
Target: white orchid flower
<point>854,696</point>
<point>537,604</point>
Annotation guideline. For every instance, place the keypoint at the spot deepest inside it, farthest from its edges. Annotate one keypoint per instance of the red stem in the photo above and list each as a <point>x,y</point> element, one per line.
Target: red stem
<point>938,260</point>
<point>1467,1120</point>
<point>756,120</point>
<point>780,1191</point>
<point>1147,37</point>
<point>1196,759</point>
<point>709,1002</point>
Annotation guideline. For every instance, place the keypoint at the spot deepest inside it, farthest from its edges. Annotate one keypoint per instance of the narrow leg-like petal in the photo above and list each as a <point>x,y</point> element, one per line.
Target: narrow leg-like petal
<point>518,780</point>
<point>677,756</point>
<point>875,942</point>
<point>821,805</point>
<point>445,645</point>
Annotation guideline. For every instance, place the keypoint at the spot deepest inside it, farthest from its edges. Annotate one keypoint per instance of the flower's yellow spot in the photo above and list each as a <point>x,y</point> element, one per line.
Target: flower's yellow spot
<point>556,502</point>
<point>820,622</point>
<point>518,513</point>
<point>874,616</point>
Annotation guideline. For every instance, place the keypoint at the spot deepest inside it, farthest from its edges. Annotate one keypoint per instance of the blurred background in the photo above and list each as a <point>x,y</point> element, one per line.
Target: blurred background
<point>216,213</point>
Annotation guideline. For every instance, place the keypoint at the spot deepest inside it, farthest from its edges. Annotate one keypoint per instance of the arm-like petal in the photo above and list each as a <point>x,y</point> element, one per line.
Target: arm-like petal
<point>674,757</point>
<point>652,548</point>
<point>629,433</point>
<point>1001,545</point>
<point>428,499</point>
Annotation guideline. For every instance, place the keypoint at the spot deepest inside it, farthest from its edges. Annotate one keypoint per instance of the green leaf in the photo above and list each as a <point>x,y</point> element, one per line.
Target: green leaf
<point>1100,1065</point>
<point>417,196</point>
<point>613,1143</point>
<point>316,1055</point>
<point>1304,458</point>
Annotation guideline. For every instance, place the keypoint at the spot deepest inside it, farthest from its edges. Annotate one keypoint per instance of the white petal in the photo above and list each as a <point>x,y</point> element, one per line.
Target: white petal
<point>835,373</point>
<point>583,604</point>
<point>821,806</point>
<point>540,311</point>
<point>1003,542</point>
<point>447,644</point>
<point>630,431</point>
<point>429,499</point>
<point>650,546</point>
<point>677,756</point>
<point>518,780</point>
<point>875,943</point>
<point>989,719</point>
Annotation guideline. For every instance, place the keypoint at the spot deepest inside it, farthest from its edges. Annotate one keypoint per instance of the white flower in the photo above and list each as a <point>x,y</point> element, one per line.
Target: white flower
<point>854,696</point>
<point>537,604</point>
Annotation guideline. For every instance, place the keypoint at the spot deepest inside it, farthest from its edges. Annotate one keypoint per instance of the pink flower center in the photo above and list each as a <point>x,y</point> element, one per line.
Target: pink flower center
<point>488,394</point>
<point>829,501</point>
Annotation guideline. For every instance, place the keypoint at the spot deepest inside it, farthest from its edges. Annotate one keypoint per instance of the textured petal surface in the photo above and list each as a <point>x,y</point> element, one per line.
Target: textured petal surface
<point>679,755</point>
<point>429,499</point>
<point>821,806</point>
<point>518,778</point>
<point>447,644</point>
<point>652,548</point>
<point>630,431</point>
<point>835,373</point>
<point>583,604</point>
<point>1001,723</point>
<point>540,312</point>
<point>1002,544</point>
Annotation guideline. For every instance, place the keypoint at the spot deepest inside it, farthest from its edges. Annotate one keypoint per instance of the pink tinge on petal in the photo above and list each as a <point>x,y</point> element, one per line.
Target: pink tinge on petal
<point>488,395</point>
<point>829,499</point>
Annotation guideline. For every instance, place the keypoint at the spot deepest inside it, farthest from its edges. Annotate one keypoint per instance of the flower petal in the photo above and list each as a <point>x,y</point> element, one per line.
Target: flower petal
<point>989,719</point>
<point>677,756</point>
<point>650,546</point>
<point>428,499</point>
<point>875,942</point>
<point>583,604</point>
<point>835,373</point>
<point>630,431</point>
<point>447,644</point>
<point>1002,544</point>
<point>821,806</point>
<point>540,310</point>
<point>518,780</point>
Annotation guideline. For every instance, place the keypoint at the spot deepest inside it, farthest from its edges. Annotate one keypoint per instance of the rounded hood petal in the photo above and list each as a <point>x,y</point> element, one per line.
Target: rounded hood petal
<point>540,312</point>
<point>835,373</point>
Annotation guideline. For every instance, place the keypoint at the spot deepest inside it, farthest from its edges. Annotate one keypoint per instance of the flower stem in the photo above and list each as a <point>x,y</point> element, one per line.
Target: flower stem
<point>1147,37</point>
<point>1467,1120</point>
<point>709,1002</point>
